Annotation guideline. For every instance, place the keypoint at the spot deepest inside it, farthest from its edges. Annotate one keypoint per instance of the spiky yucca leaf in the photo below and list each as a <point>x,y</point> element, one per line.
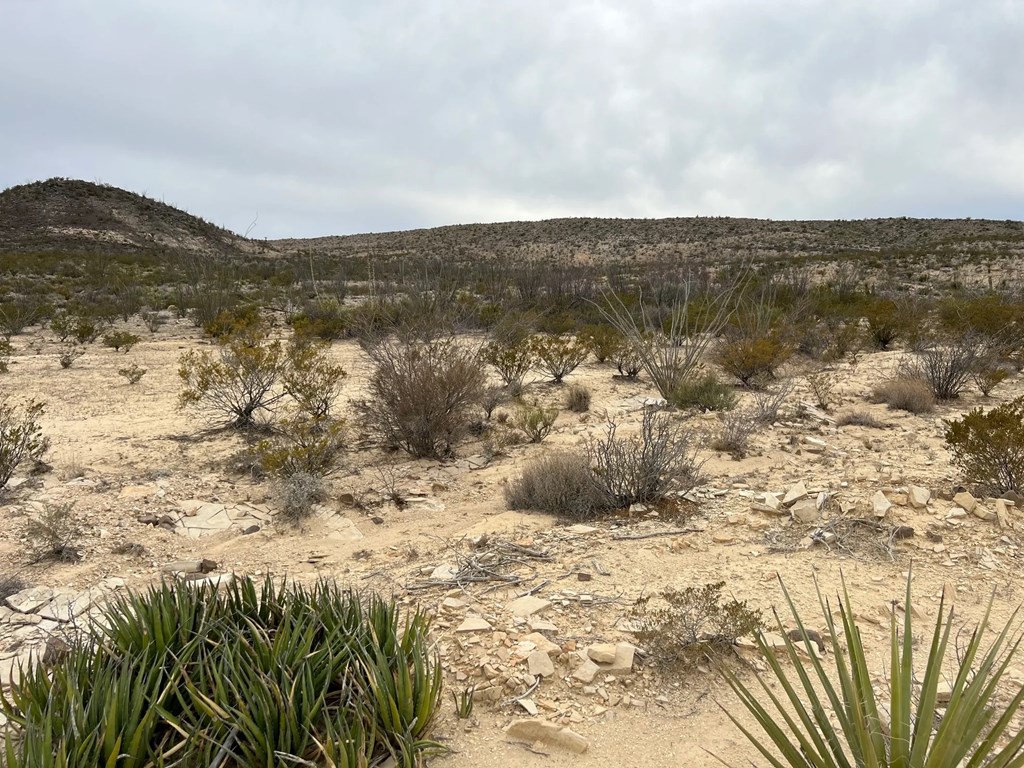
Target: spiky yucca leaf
<point>970,732</point>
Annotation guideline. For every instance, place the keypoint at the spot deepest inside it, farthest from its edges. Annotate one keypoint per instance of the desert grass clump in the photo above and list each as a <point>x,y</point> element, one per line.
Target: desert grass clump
<point>21,436</point>
<point>557,356</point>
<point>54,533</point>
<point>422,395</point>
<point>535,421</point>
<point>704,390</point>
<point>686,627</point>
<point>814,717</point>
<point>244,674</point>
<point>734,435</point>
<point>988,447</point>
<point>561,484</point>
<point>905,394</point>
<point>298,493</point>
<point>641,468</point>
<point>133,373</point>
<point>577,398</point>
<point>860,418</point>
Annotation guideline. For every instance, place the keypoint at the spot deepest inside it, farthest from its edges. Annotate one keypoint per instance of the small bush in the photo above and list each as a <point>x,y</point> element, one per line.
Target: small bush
<point>54,534</point>
<point>120,340</point>
<point>534,421</point>
<point>311,379</point>
<point>79,329</point>
<point>298,493</point>
<point>705,391</point>
<point>987,375</point>
<point>67,355</point>
<point>237,384</point>
<point>153,320</point>
<point>769,401</point>
<point>822,385</point>
<point>324,319</point>
<point>11,584</point>
<point>753,360</point>
<point>905,394</point>
<point>490,398</point>
<point>886,322</point>
<point>577,399</point>
<point>603,341</point>
<point>6,350</point>
<point>132,373</point>
<point>239,321</point>
<point>947,368</point>
<point>557,356</point>
<point>21,437</point>
<point>241,675</point>
<point>628,361</point>
<point>561,484</point>
<point>860,419</point>
<point>422,395</point>
<point>989,447</point>
<point>512,359</point>
<point>302,445</point>
<point>689,626</point>
<point>643,467</point>
<point>734,436</point>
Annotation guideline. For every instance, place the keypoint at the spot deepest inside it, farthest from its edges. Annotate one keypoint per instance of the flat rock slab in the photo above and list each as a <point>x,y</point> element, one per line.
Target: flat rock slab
<point>527,606</point>
<point>535,730</point>
<point>30,600</point>
<point>197,518</point>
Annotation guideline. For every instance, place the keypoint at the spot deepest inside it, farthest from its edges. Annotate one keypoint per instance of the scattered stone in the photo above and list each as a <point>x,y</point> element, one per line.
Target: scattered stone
<point>539,664</point>
<point>453,604</point>
<point>190,566</point>
<point>1002,514</point>
<point>474,624</point>
<point>540,625</point>
<point>30,600</point>
<point>580,530</point>
<point>794,494</point>
<point>918,497</point>
<point>880,504</point>
<point>982,513</point>
<point>541,643</point>
<point>586,672</point>
<point>805,510</point>
<point>546,732</point>
<point>943,692</point>
<point>251,530</point>
<point>444,572</point>
<point>602,653</point>
<point>723,538</point>
<point>965,500</point>
<point>529,705</point>
<point>527,606</point>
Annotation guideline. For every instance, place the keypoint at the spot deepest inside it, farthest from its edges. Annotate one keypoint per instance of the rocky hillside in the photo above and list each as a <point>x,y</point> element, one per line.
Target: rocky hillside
<point>77,216</point>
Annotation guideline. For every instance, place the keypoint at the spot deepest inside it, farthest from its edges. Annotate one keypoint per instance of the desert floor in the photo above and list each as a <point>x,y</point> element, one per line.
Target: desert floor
<point>122,452</point>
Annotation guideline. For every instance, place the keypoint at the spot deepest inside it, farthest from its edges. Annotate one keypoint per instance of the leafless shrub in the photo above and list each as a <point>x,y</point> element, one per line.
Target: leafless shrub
<point>861,419</point>
<point>946,368</point>
<point>490,398</point>
<point>54,534</point>
<point>822,385</point>
<point>738,427</point>
<point>988,374</point>
<point>577,399</point>
<point>769,401</point>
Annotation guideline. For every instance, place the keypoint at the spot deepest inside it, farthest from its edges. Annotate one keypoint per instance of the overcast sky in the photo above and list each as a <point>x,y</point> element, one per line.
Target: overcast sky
<point>334,116</point>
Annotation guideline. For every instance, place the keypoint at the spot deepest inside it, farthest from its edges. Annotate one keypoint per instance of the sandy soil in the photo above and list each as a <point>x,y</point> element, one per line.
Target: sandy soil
<point>120,451</point>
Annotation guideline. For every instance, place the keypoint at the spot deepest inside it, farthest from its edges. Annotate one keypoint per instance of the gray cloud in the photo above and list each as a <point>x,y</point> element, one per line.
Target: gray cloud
<point>332,116</point>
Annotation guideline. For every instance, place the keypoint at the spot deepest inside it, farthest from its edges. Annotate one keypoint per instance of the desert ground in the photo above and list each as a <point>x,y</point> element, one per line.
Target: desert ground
<point>125,454</point>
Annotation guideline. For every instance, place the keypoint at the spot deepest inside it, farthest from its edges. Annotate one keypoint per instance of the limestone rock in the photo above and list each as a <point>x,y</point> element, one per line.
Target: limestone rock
<point>965,500</point>
<point>880,504</point>
<point>534,730</point>
<point>602,653</point>
<point>473,624</point>
<point>539,664</point>
<point>794,494</point>
<point>541,643</point>
<point>524,607</point>
<point>30,600</point>
<point>918,497</point>
<point>586,672</point>
<point>805,511</point>
<point>982,512</point>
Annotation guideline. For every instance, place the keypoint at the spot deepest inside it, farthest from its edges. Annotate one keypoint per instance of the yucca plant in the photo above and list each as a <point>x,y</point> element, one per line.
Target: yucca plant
<point>247,675</point>
<point>838,720</point>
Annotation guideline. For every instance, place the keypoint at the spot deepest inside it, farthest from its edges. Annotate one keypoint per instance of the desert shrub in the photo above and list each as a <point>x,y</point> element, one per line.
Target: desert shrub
<point>557,356</point>
<point>987,375</point>
<point>996,319</point>
<point>490,398</point>
<point>769,401</point>
<point>244,320</point>
<point>822,385</point>
<point>577,398</point>
<point>68,353</point>
<point>703,390</point>
<point>237,675</point>
<point>686,627</point>
<point>989,447</point>
<point>53,534</point>
<point>238,383</point>
<point>860,419</point>
<point>310,378</point>
<point>887,322</point>
<point>734,435</point>
<point>152,319</point>
<point>603,341</point>
<point>133,373</point>
<point>829,340</point>
<point>298,492</point>
<point>6,350</point>
<point>120,340</point>
<point>512,359</point>
<point>973,726</point>
<point>534,421</point>
<point>422,395</point>
<point>21,437</point>
<point>905,394</point>
<point>325,319</point>
<point>946,368</point>
<point>17,315</point>
<point>11,584</point>
<point>753,360</point>
<point>310,446</point>
<point>643,467</point>
<point>628,362</point>
<point>561,484</point>
<point>81,329</point>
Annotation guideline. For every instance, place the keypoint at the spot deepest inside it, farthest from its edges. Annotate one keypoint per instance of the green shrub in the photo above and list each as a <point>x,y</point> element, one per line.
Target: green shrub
<point>561,484</point>
<point>237,676</point>
<point>81,329</point>
<point>118,340</point>
<point>905,394</point>
<point>512,359</point>
<point>703,390</point>
<point>238,383</point>
<point>818,718</point>
<point>753,360</point>
<point>422,395</point>
<point>311,379</point>
<point>603,341</point>
<point>686,627</point>
<point>239,321</point>
<point>987,375</point>
<point>887,322</point>
<point>324,319</point>
<point>133,373</point>
<point>557,356</point>
<point>989,447</point>
<point>53,534</point>
<point>21,437</point>
<point>534,421</point>
<point>304,445</point>
<point>577,399</point>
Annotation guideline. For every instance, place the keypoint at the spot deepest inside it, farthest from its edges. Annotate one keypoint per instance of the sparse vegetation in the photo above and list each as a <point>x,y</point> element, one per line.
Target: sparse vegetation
<point>512,359</point>
<point>68,353</point>
<point>120,341</point>
<point>734,435</point>
<point>54,533</point>
<point>947,368</point>
<point>822,385</point>
<point>989,446</point>
<point>577,398</point>
<point>6,350</point>
<point>311,379</point>
<point>133,373</point>
<point>705,391</point>
<point>905,394</point>
<point>562,484</point>
<point>302,445</point>
<point>534,421</point>
<point>860,418</point>
<point>557,356</point>
<point>299,492</point>
<point>21,436</point>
